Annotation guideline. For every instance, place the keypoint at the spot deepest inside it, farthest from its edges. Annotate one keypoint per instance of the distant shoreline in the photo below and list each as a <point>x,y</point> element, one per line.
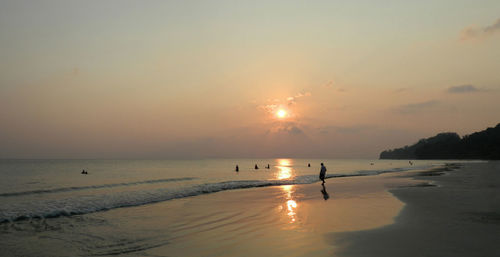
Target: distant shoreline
<point>482,145</point>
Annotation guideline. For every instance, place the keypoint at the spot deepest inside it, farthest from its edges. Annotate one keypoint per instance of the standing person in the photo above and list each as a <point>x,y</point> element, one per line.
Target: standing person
<point>237,168</point>
<point>322,173</point>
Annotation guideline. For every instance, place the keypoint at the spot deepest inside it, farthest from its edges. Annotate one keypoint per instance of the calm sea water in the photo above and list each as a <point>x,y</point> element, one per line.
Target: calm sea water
<point>53,188</point>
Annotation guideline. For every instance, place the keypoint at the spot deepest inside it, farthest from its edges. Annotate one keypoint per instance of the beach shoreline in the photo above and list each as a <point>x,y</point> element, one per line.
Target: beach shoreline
<point>454,211</point>
<point>350,216</point>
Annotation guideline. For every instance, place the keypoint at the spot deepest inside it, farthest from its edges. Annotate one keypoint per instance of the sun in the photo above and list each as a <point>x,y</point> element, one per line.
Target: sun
<point>281,113</point>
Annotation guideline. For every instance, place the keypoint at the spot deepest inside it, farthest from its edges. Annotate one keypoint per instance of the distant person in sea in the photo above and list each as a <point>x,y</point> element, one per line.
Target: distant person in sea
<point>308,165</point>
<point>237,168</point>
<point>256,167</point>
<point>84,172</point>
<point>322,173</point>
<point>325,194</point>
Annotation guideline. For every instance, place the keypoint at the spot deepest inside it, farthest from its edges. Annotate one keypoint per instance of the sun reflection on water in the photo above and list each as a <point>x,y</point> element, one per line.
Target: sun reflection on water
<point>285,170</point>
<point>291,204</point>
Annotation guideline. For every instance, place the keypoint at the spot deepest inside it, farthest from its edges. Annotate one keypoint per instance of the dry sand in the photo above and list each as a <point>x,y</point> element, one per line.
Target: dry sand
<point>458,217</point>
<point>394,214</point>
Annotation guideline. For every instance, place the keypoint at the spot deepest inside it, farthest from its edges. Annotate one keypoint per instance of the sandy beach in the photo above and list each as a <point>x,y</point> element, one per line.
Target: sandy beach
<point>459,216</point>
<point>450,211</point>
<point>208,128</point>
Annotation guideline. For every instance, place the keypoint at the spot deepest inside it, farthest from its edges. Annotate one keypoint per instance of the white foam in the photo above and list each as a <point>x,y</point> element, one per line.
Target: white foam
<point>102,202</point>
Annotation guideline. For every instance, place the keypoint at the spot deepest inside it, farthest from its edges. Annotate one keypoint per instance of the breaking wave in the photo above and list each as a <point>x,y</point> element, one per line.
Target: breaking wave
<point>102,202</point>
<point>67,189</point>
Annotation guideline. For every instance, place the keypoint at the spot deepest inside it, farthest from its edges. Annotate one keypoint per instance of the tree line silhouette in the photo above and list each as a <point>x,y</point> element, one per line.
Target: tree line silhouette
<point>479,145</point>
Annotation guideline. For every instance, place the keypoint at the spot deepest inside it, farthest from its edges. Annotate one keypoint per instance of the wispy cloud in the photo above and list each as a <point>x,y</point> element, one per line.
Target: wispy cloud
<point>270,108</point>
<point>356,129</point>
<point>475,32</point>
<point>291,100</point>
<point>291,128</point>
<point>274,105</point>
<point>329,84</point>
<point>333,85</point>
<point>401,90</point>
<point>416,107</point>
<point>462,89</point>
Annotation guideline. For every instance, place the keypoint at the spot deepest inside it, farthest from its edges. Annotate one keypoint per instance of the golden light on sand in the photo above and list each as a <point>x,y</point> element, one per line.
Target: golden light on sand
<point>291,205</point>
<point>281,113</point>
<point>288,189</point>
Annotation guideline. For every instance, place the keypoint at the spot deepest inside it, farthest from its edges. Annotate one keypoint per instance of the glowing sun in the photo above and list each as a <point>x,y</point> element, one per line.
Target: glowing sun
<point>281,113</point>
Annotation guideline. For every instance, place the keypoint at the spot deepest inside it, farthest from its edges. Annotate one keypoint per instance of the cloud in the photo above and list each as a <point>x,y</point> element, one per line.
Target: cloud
<point>401,90</point>
<point>474,32</point>
<point>493,28</point>
<point>416,107</point>
<point>295,130</point>
<point>462,89</point>
<point>268,107</point>
<point>291,100</point>
<point>291,128</point>
<point>333,86</point>
<point>356,129</point>
<point>274,104</point>
<point>329,84</point>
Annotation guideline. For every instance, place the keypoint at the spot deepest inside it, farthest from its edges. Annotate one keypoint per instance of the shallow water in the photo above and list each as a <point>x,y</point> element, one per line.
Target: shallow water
<point>49,209</point>
<point>52,188</point>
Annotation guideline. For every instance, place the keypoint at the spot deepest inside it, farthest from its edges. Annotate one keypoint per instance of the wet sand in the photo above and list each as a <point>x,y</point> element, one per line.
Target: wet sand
<point>360,217</point>
<point>273,221</point>
<point>459,216</point>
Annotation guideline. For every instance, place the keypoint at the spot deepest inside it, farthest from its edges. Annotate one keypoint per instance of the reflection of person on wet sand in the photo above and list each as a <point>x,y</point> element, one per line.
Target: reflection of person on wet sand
<point>325,194</point>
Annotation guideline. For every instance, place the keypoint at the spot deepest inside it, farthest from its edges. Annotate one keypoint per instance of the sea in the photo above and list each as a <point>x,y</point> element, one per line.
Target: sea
<point>52,188</point>
<point>49,208</point>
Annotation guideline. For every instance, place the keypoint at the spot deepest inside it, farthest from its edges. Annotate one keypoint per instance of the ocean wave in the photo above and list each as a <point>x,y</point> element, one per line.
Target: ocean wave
<point>67,189</point>
<point>103,202</point>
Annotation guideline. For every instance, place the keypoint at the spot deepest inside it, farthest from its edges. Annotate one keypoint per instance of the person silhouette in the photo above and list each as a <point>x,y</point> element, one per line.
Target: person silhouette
<point>237,168</point>
<point>268,167</point>
<point>325,194</point>
<point>322,173</point>
<point>308,165</point>
<point>256,167</point>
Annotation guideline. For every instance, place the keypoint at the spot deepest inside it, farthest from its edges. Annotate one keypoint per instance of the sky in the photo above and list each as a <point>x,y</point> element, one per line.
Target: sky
<point>205,79</point>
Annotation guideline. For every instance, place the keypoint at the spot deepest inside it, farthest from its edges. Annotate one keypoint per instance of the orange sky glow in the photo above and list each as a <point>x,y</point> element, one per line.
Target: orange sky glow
<point>242,79</point>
